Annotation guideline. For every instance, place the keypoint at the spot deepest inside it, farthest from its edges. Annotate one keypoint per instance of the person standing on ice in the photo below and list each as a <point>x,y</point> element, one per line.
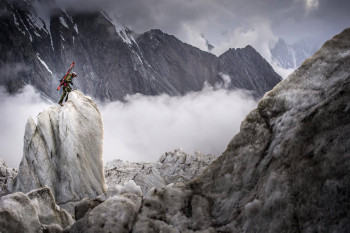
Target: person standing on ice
<point>65,83</point>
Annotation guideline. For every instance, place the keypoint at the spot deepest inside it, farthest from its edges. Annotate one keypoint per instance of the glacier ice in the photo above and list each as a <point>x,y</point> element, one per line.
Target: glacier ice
<point>64,151</point>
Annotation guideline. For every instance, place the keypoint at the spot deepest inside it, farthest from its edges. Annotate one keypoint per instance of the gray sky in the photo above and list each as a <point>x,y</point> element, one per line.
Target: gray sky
<point>218,20</point>
<point>231,23</point>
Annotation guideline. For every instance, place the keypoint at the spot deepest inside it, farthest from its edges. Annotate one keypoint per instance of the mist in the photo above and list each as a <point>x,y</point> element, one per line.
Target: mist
<point>144,127</point>
<point>15,110</point>
<point>141,128</point>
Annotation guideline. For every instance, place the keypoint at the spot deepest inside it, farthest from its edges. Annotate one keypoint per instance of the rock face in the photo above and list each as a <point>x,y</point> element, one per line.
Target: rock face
<point>64,151</point>
<point>6,177</point>
<point>32,212</point>
<point>287,170</point>
<point>172,167</point>
<point>111,61</point>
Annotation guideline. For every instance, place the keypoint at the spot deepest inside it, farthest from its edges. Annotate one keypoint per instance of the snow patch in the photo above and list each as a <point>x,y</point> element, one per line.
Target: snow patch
<point>30,36</point>
<point>120,29</point>
<point>68,16</point>
<point>63,22</point>
<point>76,28</point>
<point>15,20</point>
<point>36,22</point>
<point>44,15</point>
<point>43,63</point>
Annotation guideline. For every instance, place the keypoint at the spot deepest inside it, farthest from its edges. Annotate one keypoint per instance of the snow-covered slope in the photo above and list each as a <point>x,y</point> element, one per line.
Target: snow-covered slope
<point>291,56</point>
<point>64,151</point>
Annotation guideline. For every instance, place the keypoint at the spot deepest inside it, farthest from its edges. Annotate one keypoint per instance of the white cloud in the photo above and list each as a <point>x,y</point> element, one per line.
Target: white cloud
<point>193,37</point>
<point>144,127</point>
<point>258,34</point>
<point>283,72</point>
<point>311,4</point>
<point>15,110</point>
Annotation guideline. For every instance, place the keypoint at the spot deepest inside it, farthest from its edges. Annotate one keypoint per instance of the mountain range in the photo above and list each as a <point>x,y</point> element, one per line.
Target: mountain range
<point>39,42</point>
<point>291,56</point>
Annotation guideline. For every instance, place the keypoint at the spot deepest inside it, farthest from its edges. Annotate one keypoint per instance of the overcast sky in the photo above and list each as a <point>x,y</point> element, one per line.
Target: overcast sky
<point>225,22</point>
<point>231,23</point>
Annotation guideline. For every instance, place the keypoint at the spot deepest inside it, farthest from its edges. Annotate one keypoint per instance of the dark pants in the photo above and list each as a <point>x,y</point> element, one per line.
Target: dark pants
<point>66,91</point>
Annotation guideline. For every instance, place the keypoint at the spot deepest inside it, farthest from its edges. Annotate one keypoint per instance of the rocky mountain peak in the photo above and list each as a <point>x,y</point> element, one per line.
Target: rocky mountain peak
<point>111,61</point>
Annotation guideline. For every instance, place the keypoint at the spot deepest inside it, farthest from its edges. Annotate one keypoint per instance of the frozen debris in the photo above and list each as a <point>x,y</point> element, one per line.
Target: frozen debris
<point>32,212</point>
<point>176,166</point>
<point>116,214</point>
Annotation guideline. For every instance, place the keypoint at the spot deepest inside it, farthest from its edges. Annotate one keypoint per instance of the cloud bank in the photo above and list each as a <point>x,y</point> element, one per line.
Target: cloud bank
<point>144,127</point>
<point>15,110</point>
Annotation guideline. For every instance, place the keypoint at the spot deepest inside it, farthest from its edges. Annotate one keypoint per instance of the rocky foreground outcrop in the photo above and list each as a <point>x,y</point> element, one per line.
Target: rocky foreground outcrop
<point>6,177</point>
<point>172,167</point>
<point>33,212</point>
<point>63,151</point>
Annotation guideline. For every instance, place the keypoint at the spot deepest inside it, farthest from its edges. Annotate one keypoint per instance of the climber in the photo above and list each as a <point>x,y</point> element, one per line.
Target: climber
<point>66,86</point>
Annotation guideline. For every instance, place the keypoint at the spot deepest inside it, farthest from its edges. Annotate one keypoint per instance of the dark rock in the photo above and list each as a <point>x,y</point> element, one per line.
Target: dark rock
<point>110,62</point>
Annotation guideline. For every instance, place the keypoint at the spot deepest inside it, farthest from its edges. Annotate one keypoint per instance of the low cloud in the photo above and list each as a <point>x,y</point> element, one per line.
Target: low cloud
<point>15,110</point>
<point>258,34</point>
<point>144,127</point>
<point>13,69</point>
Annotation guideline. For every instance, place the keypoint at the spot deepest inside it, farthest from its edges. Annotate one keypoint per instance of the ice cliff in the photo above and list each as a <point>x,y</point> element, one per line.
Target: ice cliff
<point>63,151</point>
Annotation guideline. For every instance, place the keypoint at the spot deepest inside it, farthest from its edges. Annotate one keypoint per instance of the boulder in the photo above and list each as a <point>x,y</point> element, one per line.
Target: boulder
<point>116,214</point>
<point>18,214</point>
<point>32,212</point>
<point>48,212</point>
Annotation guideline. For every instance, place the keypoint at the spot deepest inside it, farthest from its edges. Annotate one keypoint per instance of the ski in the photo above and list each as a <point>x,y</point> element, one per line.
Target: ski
<point>69,70</point>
